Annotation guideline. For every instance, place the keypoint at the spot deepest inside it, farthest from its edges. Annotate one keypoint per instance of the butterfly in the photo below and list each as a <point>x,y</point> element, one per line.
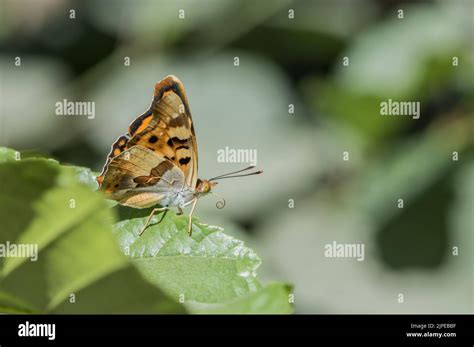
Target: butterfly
<point>156,162</point>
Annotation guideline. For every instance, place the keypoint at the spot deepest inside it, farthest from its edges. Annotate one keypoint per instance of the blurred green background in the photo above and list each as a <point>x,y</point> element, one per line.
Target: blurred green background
<point>283,61</point>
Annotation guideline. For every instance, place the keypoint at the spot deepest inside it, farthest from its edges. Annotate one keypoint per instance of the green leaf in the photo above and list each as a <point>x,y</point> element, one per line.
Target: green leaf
<point>208,267</point>
<point>79,268</point>
<point>42,204</point>
<point>7,154</point>
<point>85,176</point>
<point>272,299</point>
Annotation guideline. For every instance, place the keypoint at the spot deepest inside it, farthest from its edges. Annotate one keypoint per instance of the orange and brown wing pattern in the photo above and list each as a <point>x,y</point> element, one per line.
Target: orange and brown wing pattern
<point>117,147</point>
<point>166,128</point>
<point>139,177</point>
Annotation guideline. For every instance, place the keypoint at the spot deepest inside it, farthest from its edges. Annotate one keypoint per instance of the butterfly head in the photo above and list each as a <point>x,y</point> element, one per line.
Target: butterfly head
<point>204,186</point>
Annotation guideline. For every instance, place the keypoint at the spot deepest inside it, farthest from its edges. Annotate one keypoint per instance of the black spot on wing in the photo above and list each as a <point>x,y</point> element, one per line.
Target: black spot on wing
<point>177,140</point>
<point>184,161</point>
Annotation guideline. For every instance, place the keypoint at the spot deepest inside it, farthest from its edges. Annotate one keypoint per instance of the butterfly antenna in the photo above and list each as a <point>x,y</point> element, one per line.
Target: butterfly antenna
<point>249,174</point>
<point>228,175</point>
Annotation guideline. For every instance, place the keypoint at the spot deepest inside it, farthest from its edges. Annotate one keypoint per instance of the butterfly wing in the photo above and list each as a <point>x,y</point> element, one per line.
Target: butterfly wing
<point>166,128</point>
<point>139,177</point>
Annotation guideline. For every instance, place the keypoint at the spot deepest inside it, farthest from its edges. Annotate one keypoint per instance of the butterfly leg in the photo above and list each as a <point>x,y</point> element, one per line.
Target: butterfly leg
<point>158,209</point>
<point>162,216</point>
<point>190,217</point>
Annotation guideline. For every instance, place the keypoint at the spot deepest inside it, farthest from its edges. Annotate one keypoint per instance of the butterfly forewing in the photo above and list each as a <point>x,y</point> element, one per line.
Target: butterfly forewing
<point>166,129</point>
<point>139,177</point>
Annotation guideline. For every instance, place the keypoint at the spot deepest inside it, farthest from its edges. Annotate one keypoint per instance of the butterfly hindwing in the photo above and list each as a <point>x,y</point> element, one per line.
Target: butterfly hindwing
<point>139,177</point>
<point>117,147</point>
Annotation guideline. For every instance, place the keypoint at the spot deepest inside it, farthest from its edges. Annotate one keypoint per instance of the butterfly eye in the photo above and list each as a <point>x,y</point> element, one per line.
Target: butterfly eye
<point>206,186</point>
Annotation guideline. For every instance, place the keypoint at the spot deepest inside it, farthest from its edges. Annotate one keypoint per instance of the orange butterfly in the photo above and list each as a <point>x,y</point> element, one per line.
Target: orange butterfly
<point>156,162</point>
